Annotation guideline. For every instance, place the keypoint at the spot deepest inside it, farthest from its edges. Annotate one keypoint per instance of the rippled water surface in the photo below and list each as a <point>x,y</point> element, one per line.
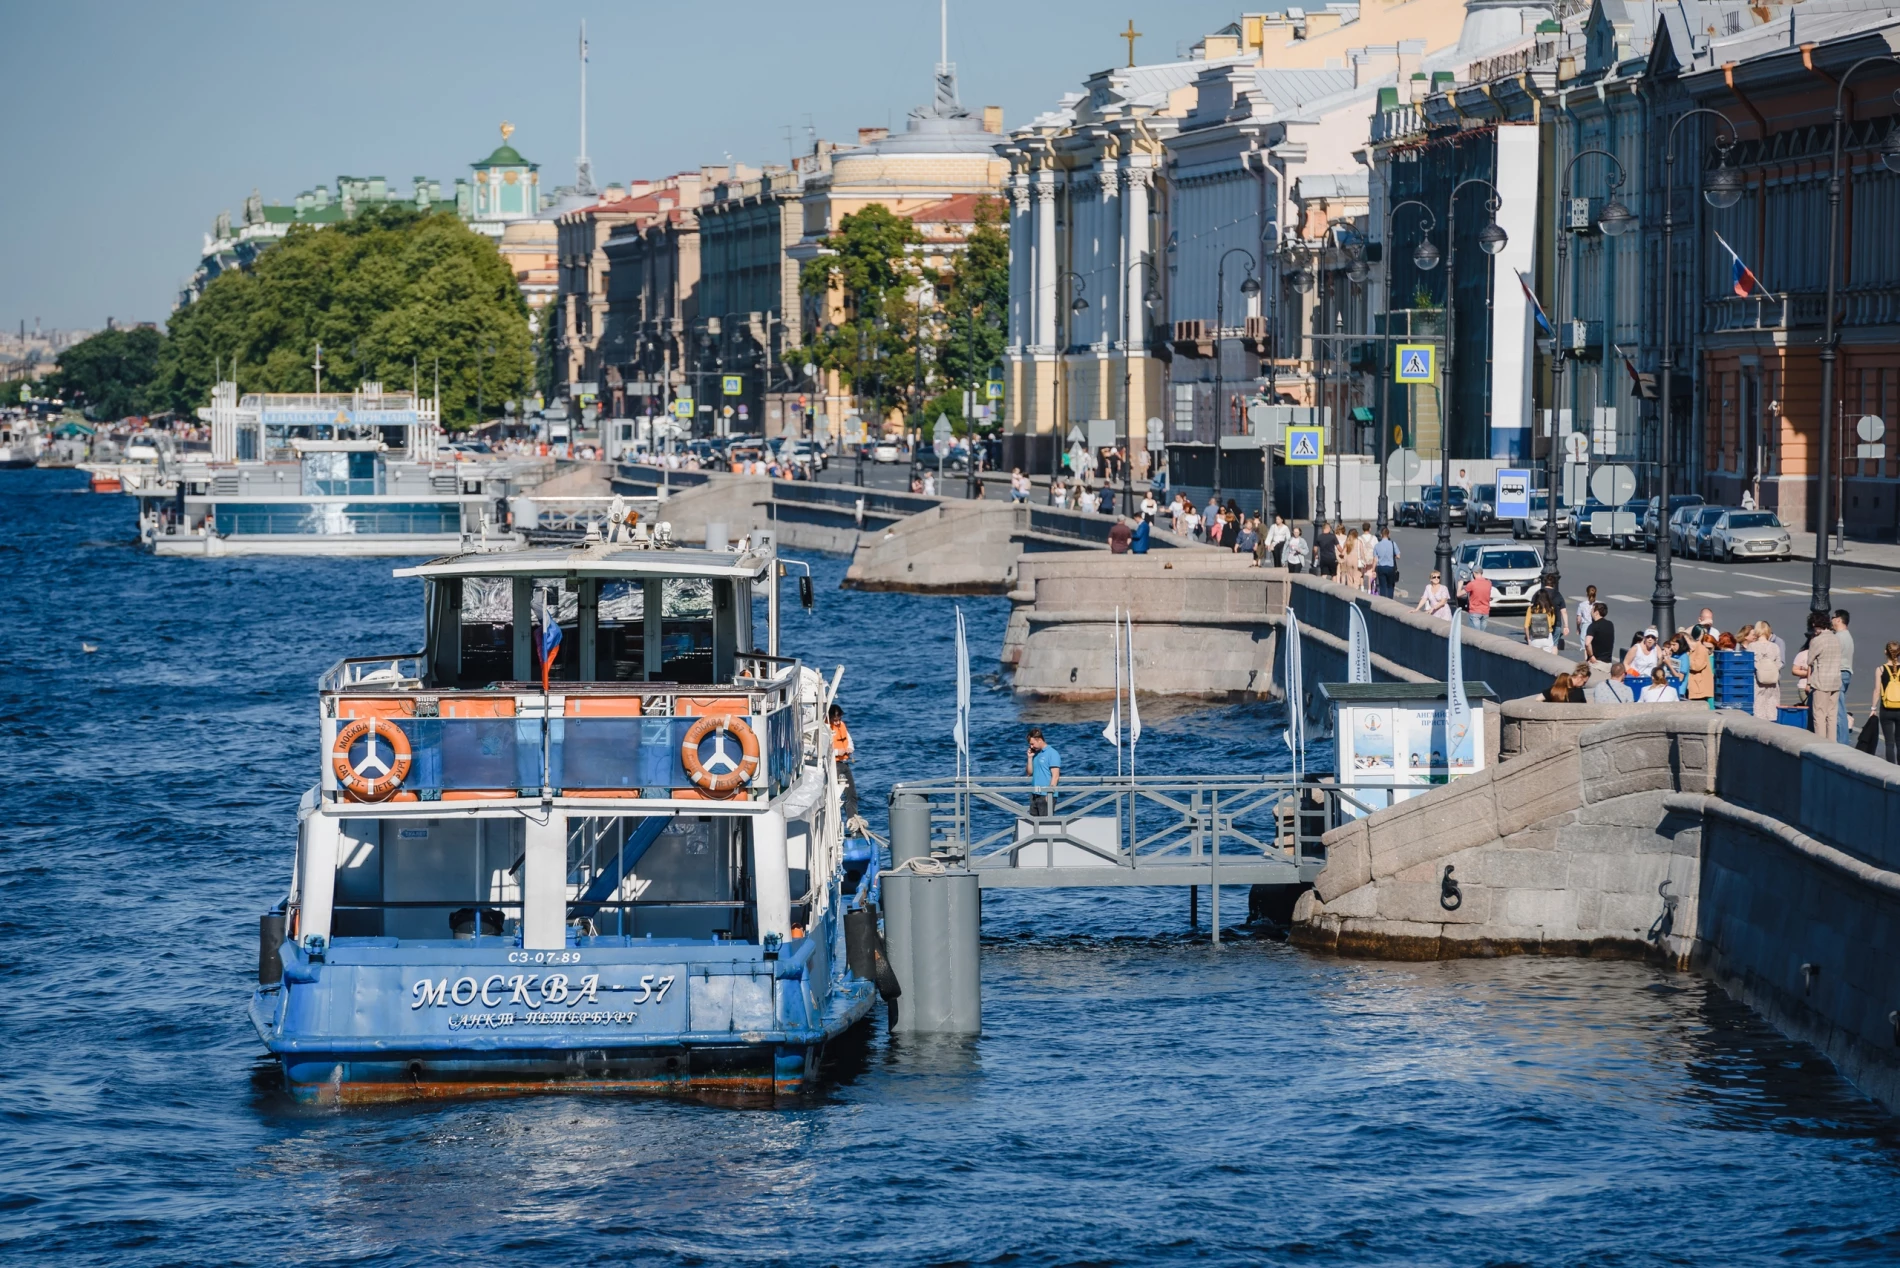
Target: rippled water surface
<point>1137,1097</point>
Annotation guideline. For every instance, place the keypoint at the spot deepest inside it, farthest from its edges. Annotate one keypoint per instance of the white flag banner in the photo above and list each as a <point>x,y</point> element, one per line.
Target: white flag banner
<point>1295,695</point>
<point>962,730</point>
<point>1359,657</point>
<point>1113,731</point>
<point>1134,710</point>
<point>1457,708</point>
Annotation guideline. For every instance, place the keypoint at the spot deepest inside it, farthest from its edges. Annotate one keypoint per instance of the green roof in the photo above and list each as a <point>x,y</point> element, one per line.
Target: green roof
<point>505,155</point>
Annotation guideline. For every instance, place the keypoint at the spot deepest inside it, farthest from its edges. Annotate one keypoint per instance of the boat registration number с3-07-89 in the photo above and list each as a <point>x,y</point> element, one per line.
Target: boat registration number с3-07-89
<point>530,990</point>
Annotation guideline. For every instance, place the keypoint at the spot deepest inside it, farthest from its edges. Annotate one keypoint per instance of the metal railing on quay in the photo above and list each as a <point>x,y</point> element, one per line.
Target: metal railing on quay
<point>1150,823</point>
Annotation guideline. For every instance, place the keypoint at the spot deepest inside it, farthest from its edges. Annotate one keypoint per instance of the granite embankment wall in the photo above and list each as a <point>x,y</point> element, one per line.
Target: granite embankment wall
<point>1208,624</point>
<point>1750,852</point>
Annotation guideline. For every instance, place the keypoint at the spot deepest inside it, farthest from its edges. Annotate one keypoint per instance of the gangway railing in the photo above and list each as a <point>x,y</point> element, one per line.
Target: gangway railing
<point>1152,830</point>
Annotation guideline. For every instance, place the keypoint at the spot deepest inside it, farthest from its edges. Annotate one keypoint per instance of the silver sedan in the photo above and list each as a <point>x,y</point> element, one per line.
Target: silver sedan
<point>1746,535</point>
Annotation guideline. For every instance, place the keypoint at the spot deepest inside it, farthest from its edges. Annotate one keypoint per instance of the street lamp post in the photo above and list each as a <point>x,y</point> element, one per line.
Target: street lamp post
<point>1076,305</point>
<point>1819,599</point>
<point>1250,286</point>
<point>1723,188</point>
<point>1149,296</point>
<point>1614,220</point>
<point>1491,239</point>
<point>1425,258</point>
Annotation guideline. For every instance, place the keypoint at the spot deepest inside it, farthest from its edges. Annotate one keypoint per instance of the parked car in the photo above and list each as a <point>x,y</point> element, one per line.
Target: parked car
<point>1481,508</point>
<point>887,451</point>
<point>1695,529</point>
<point>1461,559</point>
<point>1410,512</point>
<point>1583,524</point>
<point>1532,525</point>
<point>1514,571</point>
<point>1677,502</point>
<point>1429,505</point>
<point>1748,534</point>
<point>1681,527</point>
<point>1627,533</point>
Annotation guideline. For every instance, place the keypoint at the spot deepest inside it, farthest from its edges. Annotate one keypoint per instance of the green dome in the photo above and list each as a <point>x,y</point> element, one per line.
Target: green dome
<point>505,155</point>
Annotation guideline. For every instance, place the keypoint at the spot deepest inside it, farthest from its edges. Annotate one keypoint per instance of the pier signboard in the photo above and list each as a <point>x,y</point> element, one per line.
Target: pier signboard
<point>1401,737</point>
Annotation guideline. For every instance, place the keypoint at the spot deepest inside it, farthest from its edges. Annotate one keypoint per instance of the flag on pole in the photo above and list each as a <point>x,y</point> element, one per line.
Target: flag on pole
<point>1644,385</point>
<point>1359,655</point>
<point>1457,708</point>
<point>1113,731</point>
<point>962,730</point>
<point>1537,309</point>
<point>1295,695</point>
<point>1134,710</point>
<point>1741,277</point>
<point>550,636</point>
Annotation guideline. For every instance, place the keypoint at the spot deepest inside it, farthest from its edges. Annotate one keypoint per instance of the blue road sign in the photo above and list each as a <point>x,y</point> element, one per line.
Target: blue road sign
<point>1514,494</point>
<point>1417,363</point>
<point>1305,446</point>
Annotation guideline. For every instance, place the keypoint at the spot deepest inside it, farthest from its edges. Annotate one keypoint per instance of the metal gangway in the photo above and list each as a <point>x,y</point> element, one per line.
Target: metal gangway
<point>1194,830</point>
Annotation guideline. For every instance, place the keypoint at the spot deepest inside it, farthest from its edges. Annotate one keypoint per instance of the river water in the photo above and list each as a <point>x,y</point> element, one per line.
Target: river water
<point>1137,1096</point>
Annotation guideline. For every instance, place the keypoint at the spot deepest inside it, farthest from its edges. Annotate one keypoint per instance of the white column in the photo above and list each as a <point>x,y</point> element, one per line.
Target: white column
<point>1022,247</point>
<point>544,885</point>
<point>317,873</point>
<point>1044,300</point>
<point>1136,182</point>
<point>1105,255</point>
<point>771,875</point>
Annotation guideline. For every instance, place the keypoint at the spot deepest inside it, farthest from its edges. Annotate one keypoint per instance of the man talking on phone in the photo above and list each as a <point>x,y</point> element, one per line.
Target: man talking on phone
<point>1044,768</point>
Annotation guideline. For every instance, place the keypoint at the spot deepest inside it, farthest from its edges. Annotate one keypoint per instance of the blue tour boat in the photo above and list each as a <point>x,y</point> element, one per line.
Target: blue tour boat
<point>588,837</point>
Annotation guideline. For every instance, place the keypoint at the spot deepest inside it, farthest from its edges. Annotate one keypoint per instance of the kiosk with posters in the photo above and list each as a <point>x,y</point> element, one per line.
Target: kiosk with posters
<point>1394,741</point>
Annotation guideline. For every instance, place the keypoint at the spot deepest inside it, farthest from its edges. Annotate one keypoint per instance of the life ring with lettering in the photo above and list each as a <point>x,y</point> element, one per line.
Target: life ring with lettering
<point>737,772</point>
<point>371,777</point>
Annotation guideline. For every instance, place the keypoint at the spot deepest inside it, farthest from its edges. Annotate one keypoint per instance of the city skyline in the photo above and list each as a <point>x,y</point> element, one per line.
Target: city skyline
<point>85,89</point>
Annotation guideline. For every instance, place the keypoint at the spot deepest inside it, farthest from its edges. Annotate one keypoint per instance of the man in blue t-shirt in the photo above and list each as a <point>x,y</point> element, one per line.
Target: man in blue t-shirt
<point>1044,769</point>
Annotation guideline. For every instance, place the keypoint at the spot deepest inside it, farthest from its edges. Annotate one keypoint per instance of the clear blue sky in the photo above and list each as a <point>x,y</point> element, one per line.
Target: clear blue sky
<point>131,125</point>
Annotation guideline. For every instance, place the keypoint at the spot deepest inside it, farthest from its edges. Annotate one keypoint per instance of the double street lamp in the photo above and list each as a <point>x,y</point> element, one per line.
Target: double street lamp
<point>1819,600</point>
<point>1249,287</point>
<point>1721,188</point>
<point>1614,221</point>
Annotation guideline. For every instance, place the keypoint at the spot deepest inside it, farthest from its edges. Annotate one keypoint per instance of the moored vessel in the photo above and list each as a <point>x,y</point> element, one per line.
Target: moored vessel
<point>589,836</point>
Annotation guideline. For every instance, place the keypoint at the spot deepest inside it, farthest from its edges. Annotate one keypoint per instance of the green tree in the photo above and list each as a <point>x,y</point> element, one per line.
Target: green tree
<point>973,299</point>
<point>392,296</point>
<point>872,259</point>
<point>110,374</point>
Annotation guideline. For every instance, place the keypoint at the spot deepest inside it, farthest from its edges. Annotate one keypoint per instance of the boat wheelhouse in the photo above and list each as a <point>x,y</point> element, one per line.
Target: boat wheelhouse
<point>588,836</point>
<point>355,473</point>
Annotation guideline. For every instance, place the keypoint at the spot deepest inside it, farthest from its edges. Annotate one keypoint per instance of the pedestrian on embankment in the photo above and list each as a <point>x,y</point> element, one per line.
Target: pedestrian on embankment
<point>1277,538</point>
<point>1295,553</point>
<point>1845,732</point>
<point>1044,768</point>
<point>1477,593</point>
<point>1824,676</point>
<point>1767,652</point>
<point>1886,702</point>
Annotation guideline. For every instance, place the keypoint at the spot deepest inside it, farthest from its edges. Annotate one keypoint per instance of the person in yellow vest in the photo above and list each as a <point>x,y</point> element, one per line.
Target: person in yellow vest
<point>842,750</point>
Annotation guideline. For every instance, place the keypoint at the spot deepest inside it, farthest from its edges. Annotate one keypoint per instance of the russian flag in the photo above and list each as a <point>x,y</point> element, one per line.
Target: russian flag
<point>550,638</point>
<point>1741,277</point>
<point>1537,309</point>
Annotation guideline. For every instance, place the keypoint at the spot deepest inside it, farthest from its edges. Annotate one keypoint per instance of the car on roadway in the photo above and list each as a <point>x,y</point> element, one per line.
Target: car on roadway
<point>1583,523</point>
<point>1646,527</point>
<point>1627,530</point>
<point>1514,572</point>
<point>1429,505</point>
<point>1696,526</point>
<point>887,451</point>
<point>1532,525</point>
<point>1409,512</point>
<point>1481,508</point>
<point>1738,534</point>
<point>1681,527</point>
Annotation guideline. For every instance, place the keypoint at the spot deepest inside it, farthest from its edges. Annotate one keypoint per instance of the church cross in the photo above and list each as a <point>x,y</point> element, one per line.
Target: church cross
<point>1131,35</point>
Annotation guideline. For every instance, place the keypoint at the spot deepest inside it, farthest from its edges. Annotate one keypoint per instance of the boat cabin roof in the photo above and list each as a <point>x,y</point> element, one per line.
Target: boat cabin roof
<point>597,559</point>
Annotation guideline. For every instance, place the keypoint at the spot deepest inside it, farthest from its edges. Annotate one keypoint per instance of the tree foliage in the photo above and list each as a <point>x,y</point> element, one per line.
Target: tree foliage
<point>973,296</point>
<point>872,260</point>
<point>110,374</point>
<point>390,294</point>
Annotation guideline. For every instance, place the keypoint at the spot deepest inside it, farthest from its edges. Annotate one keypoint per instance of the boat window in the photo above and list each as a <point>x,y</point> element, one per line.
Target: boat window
<point>686,630</point>
<point>665,876</point>
<point>429,879</point>
<point>620,646</point>
<point>488,631</point>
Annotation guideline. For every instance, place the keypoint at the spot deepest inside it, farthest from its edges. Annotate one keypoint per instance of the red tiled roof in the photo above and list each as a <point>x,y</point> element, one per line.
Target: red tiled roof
<point>958,210</point>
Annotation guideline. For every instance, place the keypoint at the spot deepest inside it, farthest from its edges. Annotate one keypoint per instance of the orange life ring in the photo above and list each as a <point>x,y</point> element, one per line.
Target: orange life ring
<point>362,787</point>
<point>732,780</point>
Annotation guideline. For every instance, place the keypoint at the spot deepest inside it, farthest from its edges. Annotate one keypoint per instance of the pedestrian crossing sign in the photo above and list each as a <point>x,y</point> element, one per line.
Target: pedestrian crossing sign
<point>1305,446</point>
<point>1417,363</point>
<point>994,389</point>
<point>683,407</point>
<point>733,385</point>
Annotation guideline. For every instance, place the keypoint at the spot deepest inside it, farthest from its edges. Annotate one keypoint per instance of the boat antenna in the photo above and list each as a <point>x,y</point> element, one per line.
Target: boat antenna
<point>317,365</point>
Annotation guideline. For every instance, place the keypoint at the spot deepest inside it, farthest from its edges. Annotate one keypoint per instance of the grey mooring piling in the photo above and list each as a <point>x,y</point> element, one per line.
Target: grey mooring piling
<point>933,929</point>
<point>910,828</point>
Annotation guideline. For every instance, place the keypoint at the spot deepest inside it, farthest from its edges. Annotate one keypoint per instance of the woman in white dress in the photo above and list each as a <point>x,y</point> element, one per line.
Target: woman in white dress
<point>1436,601</point>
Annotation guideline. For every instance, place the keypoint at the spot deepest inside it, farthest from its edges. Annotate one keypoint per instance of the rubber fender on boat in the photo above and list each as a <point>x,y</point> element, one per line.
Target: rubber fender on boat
<point>883,974</point>
<point>860,941</point>
<point>270,936</point>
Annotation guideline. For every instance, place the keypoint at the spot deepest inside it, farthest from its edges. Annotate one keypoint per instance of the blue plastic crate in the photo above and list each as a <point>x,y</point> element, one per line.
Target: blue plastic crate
<point>1797,716</point>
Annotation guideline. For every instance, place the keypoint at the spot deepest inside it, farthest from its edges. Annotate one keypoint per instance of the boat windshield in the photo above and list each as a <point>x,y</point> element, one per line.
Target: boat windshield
<point>488,630</point>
